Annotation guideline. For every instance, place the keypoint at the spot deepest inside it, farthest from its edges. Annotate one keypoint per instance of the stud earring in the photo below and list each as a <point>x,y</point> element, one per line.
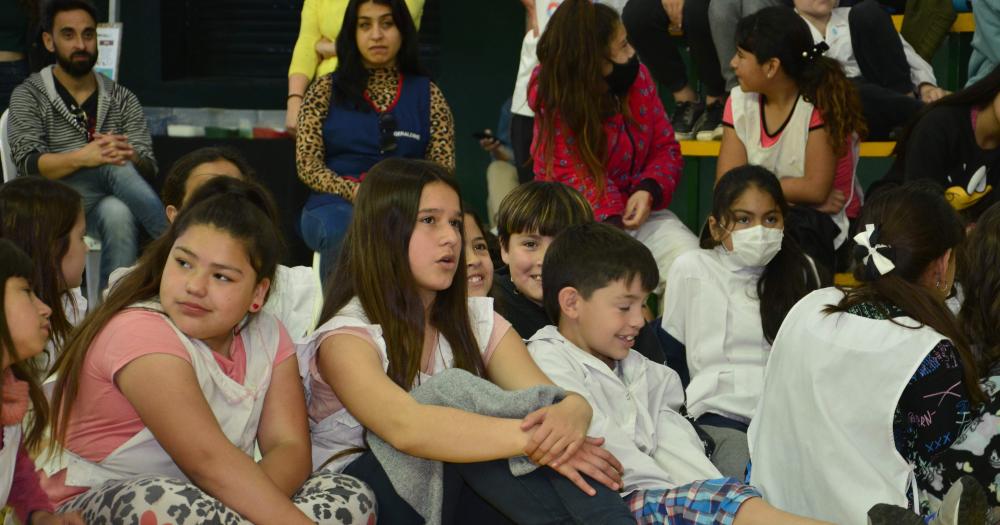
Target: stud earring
<point>254,307</point>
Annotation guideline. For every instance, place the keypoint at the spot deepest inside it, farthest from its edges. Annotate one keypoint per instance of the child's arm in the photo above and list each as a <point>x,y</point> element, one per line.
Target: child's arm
<point>352,368</point>
<point>562,427</point>
<point>815,185</point>
<point>165,393</point>
<point>732,152</point>
<point>283,434</point>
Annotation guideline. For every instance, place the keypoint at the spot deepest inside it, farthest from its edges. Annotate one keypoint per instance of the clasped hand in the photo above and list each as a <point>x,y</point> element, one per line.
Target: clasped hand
<point>558,440</point>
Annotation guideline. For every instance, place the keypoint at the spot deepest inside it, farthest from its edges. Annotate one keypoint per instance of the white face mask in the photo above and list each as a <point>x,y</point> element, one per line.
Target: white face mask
<point>756,246</point>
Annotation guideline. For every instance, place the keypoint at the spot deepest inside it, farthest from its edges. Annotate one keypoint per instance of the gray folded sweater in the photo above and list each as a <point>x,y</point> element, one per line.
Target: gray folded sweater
<point>419,481</point>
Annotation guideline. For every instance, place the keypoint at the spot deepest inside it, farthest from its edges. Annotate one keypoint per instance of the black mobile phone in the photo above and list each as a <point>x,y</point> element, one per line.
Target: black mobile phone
<point>480,135</point>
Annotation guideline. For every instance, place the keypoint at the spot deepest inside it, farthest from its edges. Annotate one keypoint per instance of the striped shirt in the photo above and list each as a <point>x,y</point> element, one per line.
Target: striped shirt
<point>41,123</point>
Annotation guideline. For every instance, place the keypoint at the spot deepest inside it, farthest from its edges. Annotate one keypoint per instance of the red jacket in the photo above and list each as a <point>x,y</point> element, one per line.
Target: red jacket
<point>643,149</point>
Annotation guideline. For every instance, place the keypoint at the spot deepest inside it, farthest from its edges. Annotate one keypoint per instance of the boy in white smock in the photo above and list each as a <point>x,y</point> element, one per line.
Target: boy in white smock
<point>596,280</point>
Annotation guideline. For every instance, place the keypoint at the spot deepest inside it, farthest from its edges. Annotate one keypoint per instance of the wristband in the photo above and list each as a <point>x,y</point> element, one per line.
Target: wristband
<point>290,95</point>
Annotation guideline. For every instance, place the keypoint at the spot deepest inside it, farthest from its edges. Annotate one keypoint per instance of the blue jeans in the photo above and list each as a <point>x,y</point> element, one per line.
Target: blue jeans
<point>116,200</point>
<point>324,222</point>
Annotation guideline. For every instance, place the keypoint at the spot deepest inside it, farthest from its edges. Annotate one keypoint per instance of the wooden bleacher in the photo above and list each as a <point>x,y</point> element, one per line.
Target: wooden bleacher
<point>964,23</point>
<point>699,148</point>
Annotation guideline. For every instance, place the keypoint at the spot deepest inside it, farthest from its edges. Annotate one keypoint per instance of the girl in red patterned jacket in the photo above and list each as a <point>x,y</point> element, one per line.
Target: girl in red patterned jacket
<point>600,127</point>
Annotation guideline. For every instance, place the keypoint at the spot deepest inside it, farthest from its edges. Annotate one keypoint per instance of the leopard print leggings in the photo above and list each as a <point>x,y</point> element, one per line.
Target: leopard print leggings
<point>325,498</point>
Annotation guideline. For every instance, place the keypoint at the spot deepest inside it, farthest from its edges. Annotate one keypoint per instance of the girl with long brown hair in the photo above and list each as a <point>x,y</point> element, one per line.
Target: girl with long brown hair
<point>396,316</point>
<point>45,219</point>
<point>24,332</point>
<point>180,348</point>
<point>795,113</point>
<point>600,128</point>
<point>866,386</point>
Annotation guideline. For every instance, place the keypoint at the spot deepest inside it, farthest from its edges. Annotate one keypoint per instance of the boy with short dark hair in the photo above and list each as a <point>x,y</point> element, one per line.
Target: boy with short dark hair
<point>597,279</point>
<point>530,216</point>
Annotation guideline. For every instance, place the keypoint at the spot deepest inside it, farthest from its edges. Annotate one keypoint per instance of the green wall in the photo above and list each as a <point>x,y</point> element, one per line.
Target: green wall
<point>480,49</point>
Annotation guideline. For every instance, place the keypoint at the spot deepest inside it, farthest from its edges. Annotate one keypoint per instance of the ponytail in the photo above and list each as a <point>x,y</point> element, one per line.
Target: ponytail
<point>824,85</point>
<point>915,226</point>
<point>779,32</point>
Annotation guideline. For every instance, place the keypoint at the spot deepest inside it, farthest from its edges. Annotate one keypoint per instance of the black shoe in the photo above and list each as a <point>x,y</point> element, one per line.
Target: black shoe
<point>685,116</point>
<point>709,126</point>
<point>885,514</point>
<point>965,502</point>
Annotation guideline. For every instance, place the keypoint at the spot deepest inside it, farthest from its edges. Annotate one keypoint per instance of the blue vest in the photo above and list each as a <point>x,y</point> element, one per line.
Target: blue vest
<point>351,138</point>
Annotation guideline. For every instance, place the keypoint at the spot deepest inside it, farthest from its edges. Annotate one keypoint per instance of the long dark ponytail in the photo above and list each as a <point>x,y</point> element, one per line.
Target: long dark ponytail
<point>919,226</point>
<point>778,32</point>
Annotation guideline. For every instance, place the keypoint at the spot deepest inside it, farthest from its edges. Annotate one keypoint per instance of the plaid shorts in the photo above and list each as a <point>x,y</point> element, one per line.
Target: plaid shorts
<point>708,502</point>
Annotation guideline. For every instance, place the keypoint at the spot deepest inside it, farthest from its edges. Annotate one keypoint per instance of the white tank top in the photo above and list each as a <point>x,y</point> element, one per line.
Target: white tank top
<point>786,157</point>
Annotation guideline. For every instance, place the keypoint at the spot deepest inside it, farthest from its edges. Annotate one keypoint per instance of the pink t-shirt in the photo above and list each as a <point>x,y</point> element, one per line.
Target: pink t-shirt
<point>843,175</point>
<point>324,402</point>
<point>103,419</point>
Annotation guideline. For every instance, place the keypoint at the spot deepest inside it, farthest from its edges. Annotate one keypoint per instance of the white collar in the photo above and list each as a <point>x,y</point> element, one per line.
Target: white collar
<point>628,366</point>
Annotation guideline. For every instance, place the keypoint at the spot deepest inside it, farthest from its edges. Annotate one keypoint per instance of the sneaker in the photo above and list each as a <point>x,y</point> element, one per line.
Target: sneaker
<point>685,116</point>
<point>965,502</point>
<point>709,126</point>
<point>885,514</point>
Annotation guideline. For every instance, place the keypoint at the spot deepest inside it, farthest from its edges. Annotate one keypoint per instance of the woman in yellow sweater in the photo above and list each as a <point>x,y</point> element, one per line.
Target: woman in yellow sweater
<point>315,52</point>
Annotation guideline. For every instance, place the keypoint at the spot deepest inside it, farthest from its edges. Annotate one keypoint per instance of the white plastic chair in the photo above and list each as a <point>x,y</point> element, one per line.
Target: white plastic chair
<point>93,245</point>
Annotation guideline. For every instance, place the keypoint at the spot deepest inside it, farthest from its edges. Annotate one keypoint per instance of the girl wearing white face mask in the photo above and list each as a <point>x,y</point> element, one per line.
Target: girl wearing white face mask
<point>726,301</point>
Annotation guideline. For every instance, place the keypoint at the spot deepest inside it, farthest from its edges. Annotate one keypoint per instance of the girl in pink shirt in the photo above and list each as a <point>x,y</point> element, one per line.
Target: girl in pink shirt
<point>25,329</point>
<point>166,388</point>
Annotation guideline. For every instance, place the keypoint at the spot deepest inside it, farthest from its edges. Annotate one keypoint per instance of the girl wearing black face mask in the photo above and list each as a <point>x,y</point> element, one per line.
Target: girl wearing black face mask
<point>600,127</point>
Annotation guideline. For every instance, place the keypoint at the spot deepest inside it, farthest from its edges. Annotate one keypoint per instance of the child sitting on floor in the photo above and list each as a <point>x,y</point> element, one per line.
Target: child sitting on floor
<point>599,278</point>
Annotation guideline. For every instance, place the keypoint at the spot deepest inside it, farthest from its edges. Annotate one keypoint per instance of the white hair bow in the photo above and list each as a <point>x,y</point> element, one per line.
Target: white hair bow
<point>876,257</point>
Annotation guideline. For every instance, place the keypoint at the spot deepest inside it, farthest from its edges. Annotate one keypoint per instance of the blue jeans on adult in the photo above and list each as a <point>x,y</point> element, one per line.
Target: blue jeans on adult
<point>116,200</point>
<point>324,222</point>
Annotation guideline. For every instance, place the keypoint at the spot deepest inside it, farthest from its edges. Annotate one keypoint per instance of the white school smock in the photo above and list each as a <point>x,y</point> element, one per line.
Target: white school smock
<point>822,443</point>
<point>711,307</point>
<point>236,407</point>
<point>8,459</point>
<point>635,411</point>
<point>341,431</point>
<point>838,37</point>
<point>786,157</point>
<point>529,57</point>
